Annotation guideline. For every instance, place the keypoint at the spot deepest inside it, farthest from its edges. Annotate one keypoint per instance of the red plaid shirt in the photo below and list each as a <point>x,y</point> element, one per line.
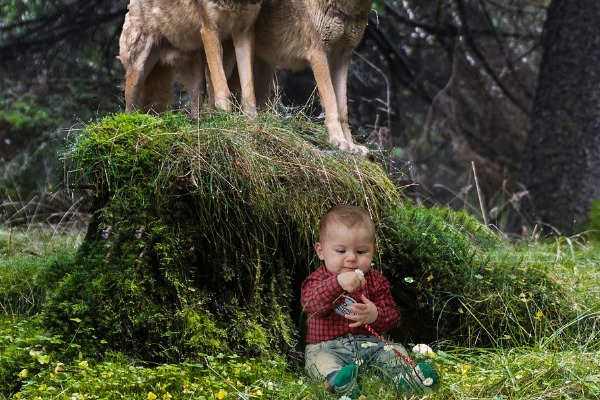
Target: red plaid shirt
<point>321,292</point>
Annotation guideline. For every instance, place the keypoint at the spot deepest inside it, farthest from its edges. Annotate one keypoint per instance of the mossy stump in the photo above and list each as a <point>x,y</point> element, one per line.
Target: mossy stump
<point>204,230</point>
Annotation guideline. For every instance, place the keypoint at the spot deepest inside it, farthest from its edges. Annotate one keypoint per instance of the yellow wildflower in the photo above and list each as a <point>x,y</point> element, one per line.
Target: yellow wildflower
<point>463,368</point>
<point>539,315</point>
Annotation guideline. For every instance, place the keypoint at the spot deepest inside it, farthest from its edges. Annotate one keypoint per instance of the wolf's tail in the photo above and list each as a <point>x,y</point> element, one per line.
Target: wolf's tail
<point>156,94</point>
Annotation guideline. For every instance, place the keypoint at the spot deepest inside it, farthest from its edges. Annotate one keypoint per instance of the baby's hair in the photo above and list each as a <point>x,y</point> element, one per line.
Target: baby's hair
<point>347,215</point>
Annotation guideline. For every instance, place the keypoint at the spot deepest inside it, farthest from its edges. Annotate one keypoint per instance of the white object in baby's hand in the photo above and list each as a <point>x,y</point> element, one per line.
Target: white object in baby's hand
<point>358,271</point>
<point>342,309</point>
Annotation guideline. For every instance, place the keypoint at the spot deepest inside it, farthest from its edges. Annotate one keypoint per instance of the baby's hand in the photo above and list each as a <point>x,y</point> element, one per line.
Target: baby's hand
<point>350,281</point>
<point>365,312</point>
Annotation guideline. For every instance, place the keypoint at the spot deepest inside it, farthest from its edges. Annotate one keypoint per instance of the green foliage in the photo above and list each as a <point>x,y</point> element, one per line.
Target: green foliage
<point>593,224</point>
<point>473,373</point>
<point>220,376</point>
<point>441,265</point>
<point>527,373</point>
<point>15,11</point>
<point>432,257</point>
<point>24,345</point>
<point>20,294</point>
<point>35,112</point>
<point>31,124</point>
<point>205,232</point>
<point>28,123</point>
<point>26,280</point>
<point>27,115</point>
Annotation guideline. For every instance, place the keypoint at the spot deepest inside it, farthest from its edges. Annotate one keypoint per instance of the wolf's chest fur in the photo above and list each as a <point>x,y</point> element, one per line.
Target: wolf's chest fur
<point>232,5</point>
<point>339,20</point>
<point>285,29</point>
<point>347,12</point>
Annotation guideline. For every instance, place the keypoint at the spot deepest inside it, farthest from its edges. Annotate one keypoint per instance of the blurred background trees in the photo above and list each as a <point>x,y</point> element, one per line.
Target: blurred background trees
<point>561,163</point>
<point>446,87</point>
<point>58,67</point>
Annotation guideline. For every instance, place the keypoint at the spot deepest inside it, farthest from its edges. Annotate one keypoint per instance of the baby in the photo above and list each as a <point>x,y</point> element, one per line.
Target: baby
<point>343,296</point>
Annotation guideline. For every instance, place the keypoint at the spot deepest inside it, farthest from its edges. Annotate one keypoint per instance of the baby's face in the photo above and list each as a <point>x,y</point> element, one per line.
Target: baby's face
<point>345,250</point>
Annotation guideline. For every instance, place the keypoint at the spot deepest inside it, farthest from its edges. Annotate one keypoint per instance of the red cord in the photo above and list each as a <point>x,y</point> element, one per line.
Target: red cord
<point>371,330</point>
<point>408,360</point>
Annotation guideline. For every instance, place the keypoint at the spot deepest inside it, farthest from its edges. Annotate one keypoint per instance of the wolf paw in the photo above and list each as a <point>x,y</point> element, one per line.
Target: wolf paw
<point>360,150</point>
<point>350,147</point>
<point>342,145</point>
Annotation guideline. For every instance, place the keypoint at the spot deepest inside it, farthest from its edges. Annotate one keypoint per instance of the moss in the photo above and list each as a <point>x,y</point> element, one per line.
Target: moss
<point>455,279</point>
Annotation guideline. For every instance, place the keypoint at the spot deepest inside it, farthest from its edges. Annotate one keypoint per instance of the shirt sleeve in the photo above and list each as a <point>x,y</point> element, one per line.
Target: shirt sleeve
<point>319,293</point>
<point>388,314</point>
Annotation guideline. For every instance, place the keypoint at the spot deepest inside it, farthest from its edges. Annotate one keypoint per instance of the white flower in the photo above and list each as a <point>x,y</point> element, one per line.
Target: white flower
<point>368,344</point>
<point>388,347</point>
<point>428,382</point>
<point>358,271</point>
<point>423,349</point>
<point>359,361</point>
<point>344,397</point>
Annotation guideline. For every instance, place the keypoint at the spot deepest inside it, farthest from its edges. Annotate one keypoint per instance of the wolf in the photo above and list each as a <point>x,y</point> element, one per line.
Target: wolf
<point>164,37</point>
<point>322,34</point>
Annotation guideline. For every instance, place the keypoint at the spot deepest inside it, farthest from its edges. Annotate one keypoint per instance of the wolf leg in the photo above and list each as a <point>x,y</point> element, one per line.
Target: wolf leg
<point>339,74</point>
<point>136,75</point>
<point>320,66</point>
<point>214,58</point>
<point>244,51</point>
<point>192,73</point>
<point>264,75</point>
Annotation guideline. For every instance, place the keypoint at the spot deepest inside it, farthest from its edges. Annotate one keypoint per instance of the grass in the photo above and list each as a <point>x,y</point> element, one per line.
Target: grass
<point>514,320</point>
<point>468,373</point>
<point>554,367</point>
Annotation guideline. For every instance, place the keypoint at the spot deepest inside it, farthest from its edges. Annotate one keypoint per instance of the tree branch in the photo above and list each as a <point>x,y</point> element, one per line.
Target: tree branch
<point>486,65</point>
<point>507,59</point>
<point>400,65</point>
<point>47,30</point>
<point>451,30</point>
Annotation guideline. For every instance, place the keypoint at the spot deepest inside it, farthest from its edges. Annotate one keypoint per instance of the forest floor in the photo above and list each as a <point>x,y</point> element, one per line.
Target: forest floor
<point>554,368</point>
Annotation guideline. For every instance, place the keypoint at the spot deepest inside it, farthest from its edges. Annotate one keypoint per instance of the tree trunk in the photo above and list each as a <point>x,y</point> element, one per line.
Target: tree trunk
<point>561,163</point>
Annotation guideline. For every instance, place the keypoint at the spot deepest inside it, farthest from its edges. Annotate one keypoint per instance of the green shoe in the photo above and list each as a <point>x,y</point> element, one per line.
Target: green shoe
<point>345,382</point>
<point>423,379</point>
